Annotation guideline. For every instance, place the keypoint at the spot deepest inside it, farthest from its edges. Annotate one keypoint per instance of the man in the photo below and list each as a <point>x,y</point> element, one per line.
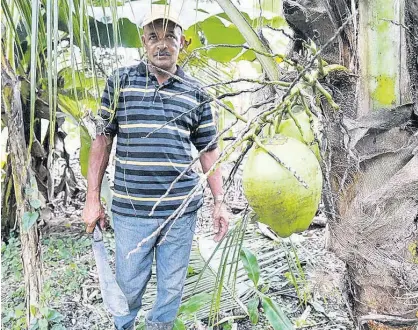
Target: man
<point>136,103</point>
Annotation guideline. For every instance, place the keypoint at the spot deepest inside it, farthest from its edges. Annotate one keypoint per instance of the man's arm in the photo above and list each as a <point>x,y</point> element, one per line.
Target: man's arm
<point>207,159</point>
<point>220,215</point>
<point>98,160</point>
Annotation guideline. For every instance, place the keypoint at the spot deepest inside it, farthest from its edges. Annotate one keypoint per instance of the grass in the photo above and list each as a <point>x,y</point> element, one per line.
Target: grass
<point>66,266</point>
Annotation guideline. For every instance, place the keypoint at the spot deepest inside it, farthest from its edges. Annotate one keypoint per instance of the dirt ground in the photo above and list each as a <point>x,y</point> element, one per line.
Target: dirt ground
<point>71,285</point>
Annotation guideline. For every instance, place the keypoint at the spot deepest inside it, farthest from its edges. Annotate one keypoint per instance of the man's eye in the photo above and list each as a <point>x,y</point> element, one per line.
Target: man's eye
<point>152,37</point>
<point>171,36</point>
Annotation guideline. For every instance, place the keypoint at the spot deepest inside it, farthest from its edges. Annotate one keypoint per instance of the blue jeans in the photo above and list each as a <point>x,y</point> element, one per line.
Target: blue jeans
<point>172,259</point>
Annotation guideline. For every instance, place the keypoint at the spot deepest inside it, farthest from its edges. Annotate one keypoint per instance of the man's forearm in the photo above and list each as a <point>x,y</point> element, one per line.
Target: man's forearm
<point>98,160</point>
<point>207,159</point>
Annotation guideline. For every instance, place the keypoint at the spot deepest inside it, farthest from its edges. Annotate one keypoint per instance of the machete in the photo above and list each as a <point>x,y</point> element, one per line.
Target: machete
<point>112,295</point>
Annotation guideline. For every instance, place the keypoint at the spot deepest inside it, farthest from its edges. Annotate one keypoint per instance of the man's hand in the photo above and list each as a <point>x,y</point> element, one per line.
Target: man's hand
<point>93,211</point>
<point>220,221</point>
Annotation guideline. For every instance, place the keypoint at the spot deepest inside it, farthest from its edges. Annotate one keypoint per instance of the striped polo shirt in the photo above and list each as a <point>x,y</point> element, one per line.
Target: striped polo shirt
<point>155,126</point>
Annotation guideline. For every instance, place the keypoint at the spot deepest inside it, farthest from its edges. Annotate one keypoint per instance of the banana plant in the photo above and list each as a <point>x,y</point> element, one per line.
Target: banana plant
<point>42,73</point>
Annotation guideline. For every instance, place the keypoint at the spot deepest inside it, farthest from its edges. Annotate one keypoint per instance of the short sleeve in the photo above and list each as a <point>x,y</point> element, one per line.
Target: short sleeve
<point>205,131</point>
<point>106,122</point>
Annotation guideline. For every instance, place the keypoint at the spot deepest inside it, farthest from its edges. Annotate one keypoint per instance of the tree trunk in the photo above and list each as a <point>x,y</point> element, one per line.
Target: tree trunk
<point>371,190</point>
<point>8,202</point>
<point>21,177</point>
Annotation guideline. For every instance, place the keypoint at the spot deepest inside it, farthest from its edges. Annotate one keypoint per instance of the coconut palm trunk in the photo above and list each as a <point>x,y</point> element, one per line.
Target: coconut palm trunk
<point>372,160</point>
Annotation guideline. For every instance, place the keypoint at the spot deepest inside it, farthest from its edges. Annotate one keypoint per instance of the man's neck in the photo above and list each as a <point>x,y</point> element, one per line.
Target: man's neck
<point>162,76</point>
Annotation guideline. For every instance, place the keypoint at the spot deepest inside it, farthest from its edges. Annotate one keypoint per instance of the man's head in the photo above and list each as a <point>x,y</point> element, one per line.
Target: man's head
<point>163,39</point>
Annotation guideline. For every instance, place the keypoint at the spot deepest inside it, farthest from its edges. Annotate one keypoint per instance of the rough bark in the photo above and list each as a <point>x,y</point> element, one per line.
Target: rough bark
<point>411,27</point>
<point>8,214</point>
<point>371,175</point>
<point>21,175</point>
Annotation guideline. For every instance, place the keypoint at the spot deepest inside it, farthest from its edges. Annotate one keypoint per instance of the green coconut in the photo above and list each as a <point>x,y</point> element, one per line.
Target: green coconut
<point>288,127</point>
<point>274,193</point>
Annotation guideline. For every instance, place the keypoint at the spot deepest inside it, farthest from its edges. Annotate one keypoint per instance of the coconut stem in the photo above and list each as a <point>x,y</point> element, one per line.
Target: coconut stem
<point>327,95</point>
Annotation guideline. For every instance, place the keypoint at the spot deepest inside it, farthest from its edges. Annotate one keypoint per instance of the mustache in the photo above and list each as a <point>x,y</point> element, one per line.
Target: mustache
<point>162,53</point>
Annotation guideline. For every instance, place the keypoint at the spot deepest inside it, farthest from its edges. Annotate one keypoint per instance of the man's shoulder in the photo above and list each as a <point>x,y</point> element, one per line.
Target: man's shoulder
<point>191,80</point>
<point>127,70</point>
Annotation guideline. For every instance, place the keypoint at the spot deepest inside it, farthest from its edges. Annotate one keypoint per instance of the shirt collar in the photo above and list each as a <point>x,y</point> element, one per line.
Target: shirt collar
<point>143,71</point>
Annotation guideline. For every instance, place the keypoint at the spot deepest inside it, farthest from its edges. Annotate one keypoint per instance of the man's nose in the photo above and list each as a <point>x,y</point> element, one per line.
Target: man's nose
<point>162,45</point>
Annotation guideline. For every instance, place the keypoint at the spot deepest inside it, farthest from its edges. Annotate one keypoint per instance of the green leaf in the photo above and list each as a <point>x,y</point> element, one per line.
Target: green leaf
<point>43,311</point>
<point>29,219</point>
<point>33,310</point>
<point>34,324</point>
<point>250,265</point>
<point>129,34</point>
<point>226,326</point>
<point>194,303</point>
<point>217,33</point>
<point>35,203</point>
<point>179,325</point>
<point>85,141</point>
<point>191,35</point>
<point>253,40</point>
<point>190,271</point>
<point>248,55</point>
<point>53,315</point>
<point>277,319</point>
<point>269,5</point>
<point>253,310</point>
<point>43,324</point>
<point>265,288</point>
<point>69,106</point>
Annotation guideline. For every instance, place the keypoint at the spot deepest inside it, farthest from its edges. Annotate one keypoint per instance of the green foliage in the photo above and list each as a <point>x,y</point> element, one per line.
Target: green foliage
<point>277,319</point>
<point>190,271</point>
<point>217,33</point>
<point>179,324</point>
<point>275,316</point>
<point>189,308</point>
<point>14,318</point>
<point>296,275</point>
<point>29,219</point>
<point>85,141</point>
<point>130,34</point>
<point>11,264</point>
<point>35,203</point>
<point>49,319</point>
<point>196,302</point>
<point>192,37</point>
<point>250,265</point>
<point>253,310</point>
<point>65,249</point>
<point>13,306</point>
<point>63,255</point>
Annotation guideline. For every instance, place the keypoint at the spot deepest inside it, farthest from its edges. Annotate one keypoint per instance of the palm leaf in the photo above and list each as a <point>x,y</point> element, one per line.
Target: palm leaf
<point>236,291</point>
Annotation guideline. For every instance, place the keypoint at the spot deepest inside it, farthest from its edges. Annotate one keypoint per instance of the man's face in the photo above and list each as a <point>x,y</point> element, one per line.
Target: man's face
<point>163,41</point>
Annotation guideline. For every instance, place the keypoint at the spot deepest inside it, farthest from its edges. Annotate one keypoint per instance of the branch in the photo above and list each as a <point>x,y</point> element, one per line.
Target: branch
<point>179,211</point>
<point>319,52</point>
<point>260,145</point>
<point>208,47</point>
<point>284,33</point>
<point>238,116</point>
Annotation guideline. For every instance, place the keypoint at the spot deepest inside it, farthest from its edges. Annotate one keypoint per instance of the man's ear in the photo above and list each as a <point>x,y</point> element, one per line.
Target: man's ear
<point>182,42</point>
<point>143,39</point>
